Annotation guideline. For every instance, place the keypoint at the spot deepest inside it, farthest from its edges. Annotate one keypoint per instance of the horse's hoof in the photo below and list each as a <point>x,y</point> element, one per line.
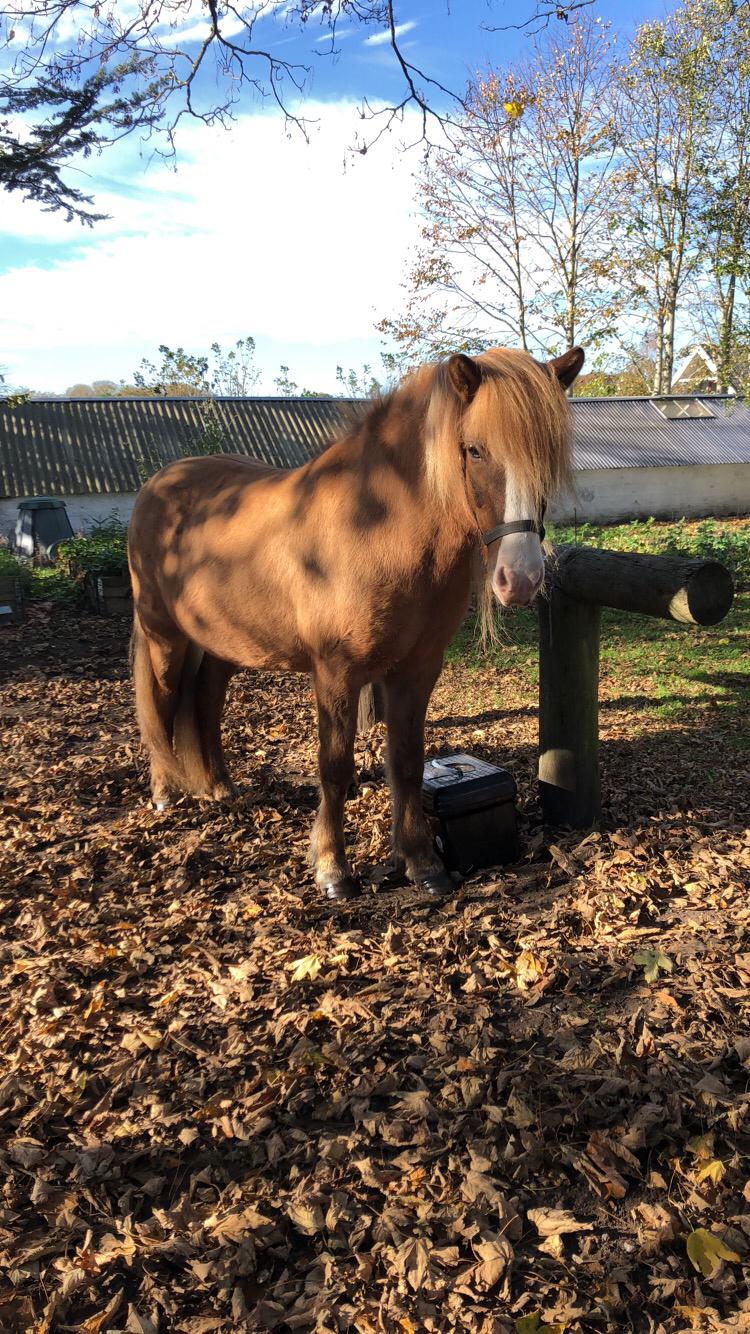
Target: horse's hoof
<point>224,792</point>
<point>161,803</point>
<point>348,887</point>
<point>436,883</point>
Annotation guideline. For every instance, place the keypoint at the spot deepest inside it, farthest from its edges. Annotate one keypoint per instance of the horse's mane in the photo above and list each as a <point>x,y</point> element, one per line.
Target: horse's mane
<point>519,412</point>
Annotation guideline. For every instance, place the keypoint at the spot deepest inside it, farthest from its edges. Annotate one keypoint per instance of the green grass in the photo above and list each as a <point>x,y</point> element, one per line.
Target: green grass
<point>656,668</point>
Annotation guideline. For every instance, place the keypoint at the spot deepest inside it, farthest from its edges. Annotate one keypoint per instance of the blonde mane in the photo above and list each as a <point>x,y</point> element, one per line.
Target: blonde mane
<point>519,412</point>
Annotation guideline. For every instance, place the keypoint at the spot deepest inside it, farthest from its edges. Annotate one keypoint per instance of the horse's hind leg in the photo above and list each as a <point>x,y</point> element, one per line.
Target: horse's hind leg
<point>157,672</point>
<point>407,693</point>
<point>213,678</point>
<point>336,698</point>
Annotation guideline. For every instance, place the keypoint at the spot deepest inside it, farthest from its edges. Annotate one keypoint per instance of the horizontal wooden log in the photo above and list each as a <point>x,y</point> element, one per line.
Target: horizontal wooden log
<point>692,592</point>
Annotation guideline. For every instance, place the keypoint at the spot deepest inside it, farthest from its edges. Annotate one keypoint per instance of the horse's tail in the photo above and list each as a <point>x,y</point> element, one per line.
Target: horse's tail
<point>176,752</point>
<point>187,741</point>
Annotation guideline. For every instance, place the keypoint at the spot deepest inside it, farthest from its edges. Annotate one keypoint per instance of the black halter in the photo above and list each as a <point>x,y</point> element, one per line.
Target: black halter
<point>516,526</point>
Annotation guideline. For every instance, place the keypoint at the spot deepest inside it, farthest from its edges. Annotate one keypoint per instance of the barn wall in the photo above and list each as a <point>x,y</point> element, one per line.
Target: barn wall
<point>83,511</point>
<point>606,495</point>
<point>609,495</point>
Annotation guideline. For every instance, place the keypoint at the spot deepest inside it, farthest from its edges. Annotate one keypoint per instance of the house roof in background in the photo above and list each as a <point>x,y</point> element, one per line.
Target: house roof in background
<point>82,446</point>
<point>696,361</point>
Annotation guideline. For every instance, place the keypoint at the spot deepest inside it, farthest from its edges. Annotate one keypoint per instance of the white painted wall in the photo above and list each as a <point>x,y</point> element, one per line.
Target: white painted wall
<point>83,511</point>
<point>604,495</point>
<point>613,495</point>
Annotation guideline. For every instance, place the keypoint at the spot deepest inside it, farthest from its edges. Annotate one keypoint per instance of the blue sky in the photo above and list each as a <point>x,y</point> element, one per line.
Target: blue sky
<point>255,232</point>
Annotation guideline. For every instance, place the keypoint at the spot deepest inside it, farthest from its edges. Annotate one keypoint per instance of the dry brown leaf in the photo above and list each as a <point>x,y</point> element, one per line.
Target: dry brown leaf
<point>555,1222</point>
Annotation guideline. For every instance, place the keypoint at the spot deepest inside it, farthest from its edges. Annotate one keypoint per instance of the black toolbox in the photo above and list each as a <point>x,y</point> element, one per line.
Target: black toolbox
<point>471,806</point>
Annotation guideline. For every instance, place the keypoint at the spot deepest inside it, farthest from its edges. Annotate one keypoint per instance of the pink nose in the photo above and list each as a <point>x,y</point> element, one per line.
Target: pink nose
<point>515,589</point>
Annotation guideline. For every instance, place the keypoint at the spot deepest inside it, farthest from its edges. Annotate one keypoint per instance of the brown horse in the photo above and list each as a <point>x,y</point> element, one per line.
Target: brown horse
<point>356,567</point>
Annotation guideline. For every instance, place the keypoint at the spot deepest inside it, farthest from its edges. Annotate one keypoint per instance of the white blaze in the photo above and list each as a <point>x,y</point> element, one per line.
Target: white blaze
<point>519,564</point>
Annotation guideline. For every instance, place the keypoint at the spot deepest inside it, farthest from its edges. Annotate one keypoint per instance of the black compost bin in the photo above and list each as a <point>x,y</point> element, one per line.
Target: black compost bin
<point>41,525</point>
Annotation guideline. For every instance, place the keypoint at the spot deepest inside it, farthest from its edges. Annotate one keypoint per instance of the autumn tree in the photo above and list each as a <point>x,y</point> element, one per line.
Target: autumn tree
<point>470,283</point>
<point>665,135</point>
<point>724,202</point>
<point>571,190</point>
<point>518,212</point>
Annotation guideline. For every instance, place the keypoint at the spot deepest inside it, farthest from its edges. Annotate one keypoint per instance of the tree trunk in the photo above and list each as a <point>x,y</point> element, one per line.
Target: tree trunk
<point>659,356</point>
<point>668,354</point>
<point>726,335</point>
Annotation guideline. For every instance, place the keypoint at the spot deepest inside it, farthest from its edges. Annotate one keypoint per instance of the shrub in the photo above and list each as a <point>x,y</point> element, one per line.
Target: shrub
<point>51,584</point>
<point>102,551</point>
<point>10,565</point>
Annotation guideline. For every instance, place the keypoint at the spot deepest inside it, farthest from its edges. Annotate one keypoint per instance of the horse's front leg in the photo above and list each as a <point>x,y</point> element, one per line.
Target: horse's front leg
<point>407,696</point>
<point>336,697</point>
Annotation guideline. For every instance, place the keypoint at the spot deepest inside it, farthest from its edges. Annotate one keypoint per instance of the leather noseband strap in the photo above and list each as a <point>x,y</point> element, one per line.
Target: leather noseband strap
<point>515,526</point>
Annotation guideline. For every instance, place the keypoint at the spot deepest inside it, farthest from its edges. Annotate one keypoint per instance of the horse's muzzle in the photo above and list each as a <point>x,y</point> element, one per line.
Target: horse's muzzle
<point>513,589</point>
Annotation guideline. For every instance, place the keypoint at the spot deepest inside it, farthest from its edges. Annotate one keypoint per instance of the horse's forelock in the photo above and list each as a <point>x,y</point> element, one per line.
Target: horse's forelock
<point>519,412</point>
<point>442,429</point>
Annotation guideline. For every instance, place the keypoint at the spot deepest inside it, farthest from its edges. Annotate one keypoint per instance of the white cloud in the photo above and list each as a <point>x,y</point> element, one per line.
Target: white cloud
<point>255,233</point>
<point>337,36</point>
<point>380,38</point>
<point>199,31</point>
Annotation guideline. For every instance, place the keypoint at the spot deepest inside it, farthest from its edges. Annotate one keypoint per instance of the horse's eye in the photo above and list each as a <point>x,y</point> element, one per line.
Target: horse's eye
<point>474,453</point>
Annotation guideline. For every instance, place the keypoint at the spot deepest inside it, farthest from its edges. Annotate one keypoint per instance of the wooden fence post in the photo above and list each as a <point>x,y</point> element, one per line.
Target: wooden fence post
<point>580,581</point>
<point>687,591</point>
<point>569,710</point>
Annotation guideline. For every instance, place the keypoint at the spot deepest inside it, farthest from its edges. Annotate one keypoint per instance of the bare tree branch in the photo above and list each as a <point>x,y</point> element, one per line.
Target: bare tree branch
<point>544,12</point>
<point>165,50</point>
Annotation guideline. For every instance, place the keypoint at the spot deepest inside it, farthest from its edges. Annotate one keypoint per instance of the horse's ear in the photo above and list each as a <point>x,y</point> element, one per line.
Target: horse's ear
<point>464,375</point>
<point>568,366</point>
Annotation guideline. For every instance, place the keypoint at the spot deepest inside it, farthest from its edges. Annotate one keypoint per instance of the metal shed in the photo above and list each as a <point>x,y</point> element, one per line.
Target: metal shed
<point>631,459</point>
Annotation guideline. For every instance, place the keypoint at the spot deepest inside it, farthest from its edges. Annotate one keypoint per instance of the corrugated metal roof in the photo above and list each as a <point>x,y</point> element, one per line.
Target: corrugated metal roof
<point>86,446</point>
<point>631,433</point>
<point>83,446</point>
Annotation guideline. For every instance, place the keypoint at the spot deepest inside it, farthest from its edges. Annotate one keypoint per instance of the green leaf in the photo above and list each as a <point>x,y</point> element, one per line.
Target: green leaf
<point>651,961</point>
<point>705,1251</point>
<point>531,1324</point>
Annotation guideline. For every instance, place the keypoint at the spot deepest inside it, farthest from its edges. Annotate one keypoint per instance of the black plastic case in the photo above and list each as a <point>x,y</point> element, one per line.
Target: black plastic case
<point>471,805</point>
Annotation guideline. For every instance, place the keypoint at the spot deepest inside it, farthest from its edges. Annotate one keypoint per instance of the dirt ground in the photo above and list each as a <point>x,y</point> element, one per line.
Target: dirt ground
<point>226,1105</point>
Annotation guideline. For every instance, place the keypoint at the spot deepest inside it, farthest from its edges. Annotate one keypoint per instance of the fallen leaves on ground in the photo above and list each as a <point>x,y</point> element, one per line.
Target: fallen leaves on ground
<point>226,1105</point>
